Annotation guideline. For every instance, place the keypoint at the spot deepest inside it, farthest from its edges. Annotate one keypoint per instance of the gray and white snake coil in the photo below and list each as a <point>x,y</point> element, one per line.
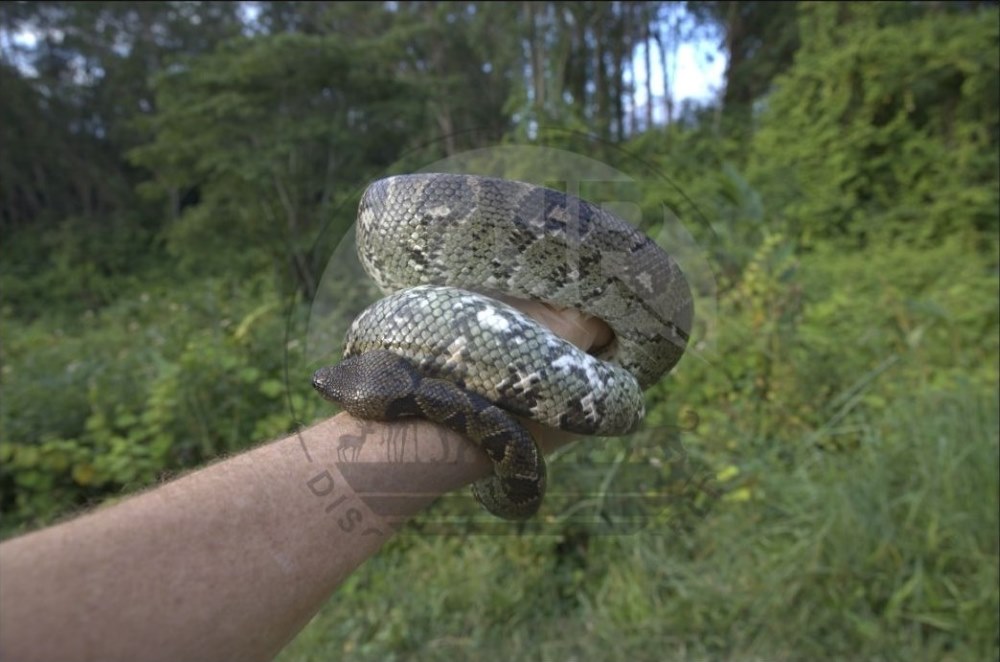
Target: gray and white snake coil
<point>440,347</point>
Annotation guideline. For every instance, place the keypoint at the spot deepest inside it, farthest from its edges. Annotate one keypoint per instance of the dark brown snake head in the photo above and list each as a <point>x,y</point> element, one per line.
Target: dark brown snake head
<point>367,384</point>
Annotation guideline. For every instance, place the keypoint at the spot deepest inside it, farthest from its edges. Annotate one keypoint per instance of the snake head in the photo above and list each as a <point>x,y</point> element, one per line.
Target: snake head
<point>373,386</point>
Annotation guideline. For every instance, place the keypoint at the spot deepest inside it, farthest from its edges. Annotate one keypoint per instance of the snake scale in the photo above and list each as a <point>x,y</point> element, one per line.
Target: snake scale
<point>440,346</point>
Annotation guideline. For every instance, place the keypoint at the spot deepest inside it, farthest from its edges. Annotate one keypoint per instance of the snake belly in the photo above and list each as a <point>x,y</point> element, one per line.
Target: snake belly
<point>439,346</point>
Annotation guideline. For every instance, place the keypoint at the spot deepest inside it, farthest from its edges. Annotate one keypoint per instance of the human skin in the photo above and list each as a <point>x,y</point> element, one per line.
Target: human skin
<point>232,560</point>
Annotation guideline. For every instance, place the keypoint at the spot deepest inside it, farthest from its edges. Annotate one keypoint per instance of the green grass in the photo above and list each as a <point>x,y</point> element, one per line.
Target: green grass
<point>887,551</point>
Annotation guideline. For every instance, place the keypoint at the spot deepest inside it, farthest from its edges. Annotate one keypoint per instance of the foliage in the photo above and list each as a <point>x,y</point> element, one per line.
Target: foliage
<point>896,122</point>
<point>803,340</point>
<point>127,397</point>
<point>66,127</point>
<point>888,553</point>
<point>175,175</point>
<point>92,261</point>
<point>760,40</point>
<point>272,134</point>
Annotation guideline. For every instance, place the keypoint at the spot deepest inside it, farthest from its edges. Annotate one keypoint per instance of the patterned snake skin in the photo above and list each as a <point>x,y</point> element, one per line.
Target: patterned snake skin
<point>444,350</point>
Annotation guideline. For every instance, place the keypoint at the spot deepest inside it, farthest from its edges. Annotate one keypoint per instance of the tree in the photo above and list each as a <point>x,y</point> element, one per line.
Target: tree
<point>271,135</point>
<point>74,95</point>
<point>759,39</point>
<point>894,114</point>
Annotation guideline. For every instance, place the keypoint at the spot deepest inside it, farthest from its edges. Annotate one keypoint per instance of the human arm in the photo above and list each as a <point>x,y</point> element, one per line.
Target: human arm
<point>228,562</point>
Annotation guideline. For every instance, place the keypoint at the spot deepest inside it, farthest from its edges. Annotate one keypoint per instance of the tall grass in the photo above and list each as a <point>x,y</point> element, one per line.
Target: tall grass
<point>885,551</point>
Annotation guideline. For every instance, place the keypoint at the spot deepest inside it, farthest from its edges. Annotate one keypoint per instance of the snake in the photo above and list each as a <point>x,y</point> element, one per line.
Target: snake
<point>448,251</point>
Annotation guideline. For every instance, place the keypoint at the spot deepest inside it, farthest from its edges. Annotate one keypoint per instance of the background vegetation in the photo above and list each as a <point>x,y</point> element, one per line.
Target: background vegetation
<point>167,171</point>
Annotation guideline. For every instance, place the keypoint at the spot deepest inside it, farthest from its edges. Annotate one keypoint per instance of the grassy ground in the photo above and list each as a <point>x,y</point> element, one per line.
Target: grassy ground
<point>885,551</point>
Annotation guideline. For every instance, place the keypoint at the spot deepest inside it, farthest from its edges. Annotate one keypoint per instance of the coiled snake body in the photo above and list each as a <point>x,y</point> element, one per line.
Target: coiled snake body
<point>440,347</point>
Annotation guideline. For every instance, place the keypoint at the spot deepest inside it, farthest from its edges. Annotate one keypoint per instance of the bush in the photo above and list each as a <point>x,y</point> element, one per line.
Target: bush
<point>884,128</point>
<point>152,384</point>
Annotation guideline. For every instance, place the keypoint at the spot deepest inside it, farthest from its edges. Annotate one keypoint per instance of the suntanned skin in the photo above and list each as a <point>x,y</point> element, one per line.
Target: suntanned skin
<point>231,561</point>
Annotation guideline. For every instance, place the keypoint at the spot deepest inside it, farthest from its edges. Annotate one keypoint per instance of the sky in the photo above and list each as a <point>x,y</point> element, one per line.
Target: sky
<point>697,69</point>
<point>695,77</point>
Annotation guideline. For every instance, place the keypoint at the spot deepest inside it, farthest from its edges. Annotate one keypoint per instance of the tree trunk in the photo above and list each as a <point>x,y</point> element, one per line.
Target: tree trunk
<point>668,95</point>
<point>648,44</point>
<point>602,105</point>
<point>536,47</point>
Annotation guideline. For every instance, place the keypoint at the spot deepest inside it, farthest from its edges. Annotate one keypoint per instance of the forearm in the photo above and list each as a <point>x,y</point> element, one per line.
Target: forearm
<point>228,562</point>
<point>231,561</point>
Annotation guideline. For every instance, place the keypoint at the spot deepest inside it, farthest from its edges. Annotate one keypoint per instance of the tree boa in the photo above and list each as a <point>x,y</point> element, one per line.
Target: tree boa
<point>441,347</point>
